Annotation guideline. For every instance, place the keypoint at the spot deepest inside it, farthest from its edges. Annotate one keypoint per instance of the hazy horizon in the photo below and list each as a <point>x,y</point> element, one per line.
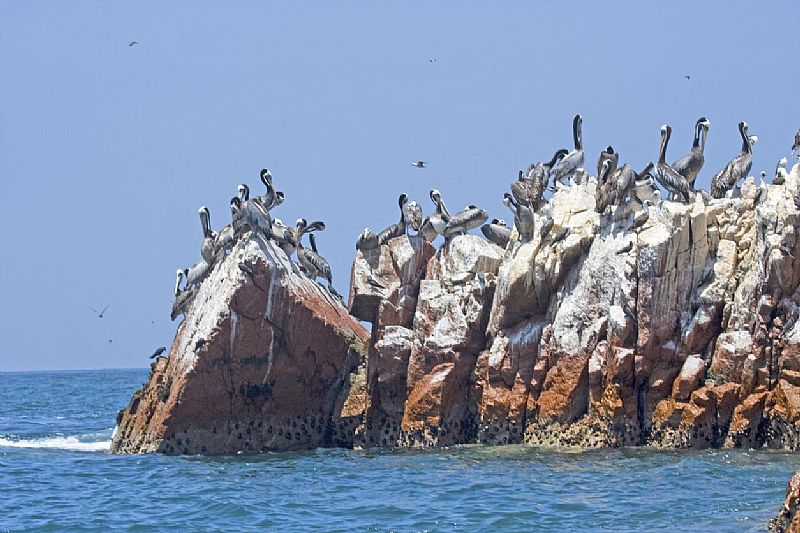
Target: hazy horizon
<point>119,145</point>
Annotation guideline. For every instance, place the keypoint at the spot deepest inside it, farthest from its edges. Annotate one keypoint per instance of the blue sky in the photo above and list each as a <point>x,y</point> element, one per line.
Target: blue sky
<point>107,151</point>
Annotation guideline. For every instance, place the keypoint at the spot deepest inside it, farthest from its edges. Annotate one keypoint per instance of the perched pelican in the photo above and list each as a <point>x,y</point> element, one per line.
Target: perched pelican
<point>780,172</point>
<point>257,217</point>
<point>523,217</point>
<point>674,183</point>
<point>612,156</point>
<point>196,274</point>
<point>208,249</point>
<point>538,175</point>
<point>412,213</point>
<point>183,298</point>
<point>313,264</point>
<point>438,220</point>
<point>238,223</point>
<point>566,168</point>
<point>736,169</point>
<point>407,218</point>
<point>460,223</point>
<point>604,186</point>
<point>367,240</point>
<point>523,190</point>
<point>283,235</point>
<point>689,165</point>
<point>497,231</point>
<point>625,180</point>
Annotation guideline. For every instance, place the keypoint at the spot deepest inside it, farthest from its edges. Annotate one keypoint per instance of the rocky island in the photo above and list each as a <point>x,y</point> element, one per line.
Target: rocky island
<point>667,325</point>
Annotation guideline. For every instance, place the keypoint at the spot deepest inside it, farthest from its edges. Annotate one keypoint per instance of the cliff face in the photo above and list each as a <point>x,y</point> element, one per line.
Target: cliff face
<point>788,518</point>
<point>265,360</point>
<point>671,325</point>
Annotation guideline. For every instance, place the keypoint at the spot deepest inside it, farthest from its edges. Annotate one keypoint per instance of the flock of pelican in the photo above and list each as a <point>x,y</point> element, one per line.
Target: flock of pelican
<point>250,216</point>
<point>615,186</point>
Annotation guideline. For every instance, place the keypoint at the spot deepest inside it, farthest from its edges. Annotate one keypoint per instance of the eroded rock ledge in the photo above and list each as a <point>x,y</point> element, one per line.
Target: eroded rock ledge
<point>265,360</point>
<point>678,332</point>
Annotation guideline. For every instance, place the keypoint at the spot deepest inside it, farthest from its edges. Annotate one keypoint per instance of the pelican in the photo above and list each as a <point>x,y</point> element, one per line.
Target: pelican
<point>604,186</point>
<point>257,217</point>
<point>401,228</point>
<point>523,217</point>
<point>183,298</point>
<point>497,231</point>
<point>367,240</point>
<point>196,274</point>
<point>538,175</point>
<point>459,224</point>
<point>313,264</point>
<point>674,183</point>
<point>238,223</point>
<point>283,235</point>
<point>624,182</point>
<point>566,168</point>
<point>780,172</point>
<point>438,220</point>
<point>268,198</point>
<point>610,155</point>
<point>736,169</point>
<point>208,249</point>
<point>689,165</point>
<point>412,214</point>
<point>523,190</point>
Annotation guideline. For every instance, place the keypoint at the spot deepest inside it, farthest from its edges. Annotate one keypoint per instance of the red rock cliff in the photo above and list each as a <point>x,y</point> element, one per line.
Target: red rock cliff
<point>267,361</point>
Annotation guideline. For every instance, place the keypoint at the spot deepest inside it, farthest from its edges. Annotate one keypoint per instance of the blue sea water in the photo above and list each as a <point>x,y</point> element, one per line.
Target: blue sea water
<point>56,475</point>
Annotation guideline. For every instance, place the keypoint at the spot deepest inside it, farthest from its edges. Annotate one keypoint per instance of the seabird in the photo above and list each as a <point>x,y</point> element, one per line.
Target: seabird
<point>604,186</point>
<point>612,156</point>
<point>566,168</point>
<point>368,240</point>
<point>401,228</point>
<point>100,314</point>
<point>438,220</point>
<point>689,165</point>
<point>460,223</point>
<point>197,273</point>
<point>523,217</point>
<point>780,172</point>
<point>160,350</point>
<point>208,248</point>
<point>736,169</point>
<point>132,43</point>
<point>183,298</point>
<point>538,176</point>
<point>419,164</point>
<point>796,145</point>
<point>283,235</point>
<point>674,183</point>
<point>314,264</point>
<point>497,231</point>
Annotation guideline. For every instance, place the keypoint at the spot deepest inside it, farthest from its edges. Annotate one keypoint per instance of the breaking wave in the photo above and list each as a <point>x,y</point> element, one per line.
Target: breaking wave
<point>59,443</point>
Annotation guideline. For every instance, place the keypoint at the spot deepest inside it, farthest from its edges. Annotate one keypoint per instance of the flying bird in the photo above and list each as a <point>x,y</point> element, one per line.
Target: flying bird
<point>688,77</point>
<point>433,60</point>
<point>100,314</point>
<point>160,350</point>
<point>132,43</point>
<point>419,164</point>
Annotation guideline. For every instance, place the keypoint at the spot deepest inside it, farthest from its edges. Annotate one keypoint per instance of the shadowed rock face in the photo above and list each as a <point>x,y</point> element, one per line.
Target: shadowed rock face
<point>268,361</point>
<point>678,332</point>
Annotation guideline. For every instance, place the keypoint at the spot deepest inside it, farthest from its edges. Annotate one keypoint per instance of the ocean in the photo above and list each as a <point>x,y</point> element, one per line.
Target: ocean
<point>57,475</point>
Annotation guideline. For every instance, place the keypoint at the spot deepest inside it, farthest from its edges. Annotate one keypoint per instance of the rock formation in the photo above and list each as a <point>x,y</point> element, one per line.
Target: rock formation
<point>266,359</point>
<point>671,326</point>
<point>788,519</point>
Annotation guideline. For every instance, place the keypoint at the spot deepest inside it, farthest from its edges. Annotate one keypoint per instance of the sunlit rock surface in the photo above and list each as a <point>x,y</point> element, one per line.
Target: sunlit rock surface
<point>268,361</point>
<point>602,331</point>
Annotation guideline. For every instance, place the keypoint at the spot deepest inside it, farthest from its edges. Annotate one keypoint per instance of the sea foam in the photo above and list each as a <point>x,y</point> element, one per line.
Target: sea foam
<point>61,443</point>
